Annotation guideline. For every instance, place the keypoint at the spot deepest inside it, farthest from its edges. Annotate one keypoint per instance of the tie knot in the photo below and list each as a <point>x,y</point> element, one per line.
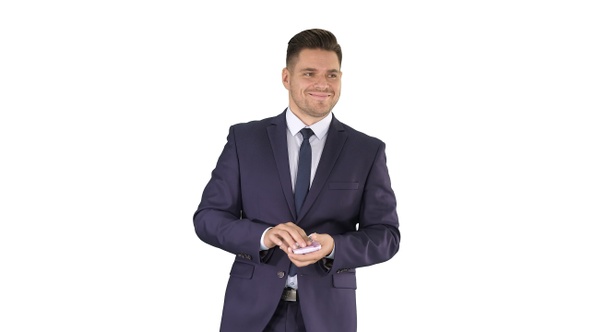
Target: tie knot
<point>306,132</point>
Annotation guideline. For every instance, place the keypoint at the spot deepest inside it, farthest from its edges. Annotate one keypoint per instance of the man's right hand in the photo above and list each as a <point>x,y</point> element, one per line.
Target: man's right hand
<point>286,235</point>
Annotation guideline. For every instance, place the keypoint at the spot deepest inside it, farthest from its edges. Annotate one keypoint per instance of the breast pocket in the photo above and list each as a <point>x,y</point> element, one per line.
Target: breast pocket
<point>343,185</point>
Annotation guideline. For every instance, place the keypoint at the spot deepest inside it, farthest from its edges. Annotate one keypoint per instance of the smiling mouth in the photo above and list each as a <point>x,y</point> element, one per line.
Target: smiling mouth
<point>320,95</point>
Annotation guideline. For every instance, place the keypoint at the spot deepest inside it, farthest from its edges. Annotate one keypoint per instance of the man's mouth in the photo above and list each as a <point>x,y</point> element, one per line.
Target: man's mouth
<point>320,95</point>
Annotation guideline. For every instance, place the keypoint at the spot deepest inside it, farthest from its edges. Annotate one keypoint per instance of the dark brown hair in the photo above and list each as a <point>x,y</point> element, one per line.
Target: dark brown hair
<point>313,39</point>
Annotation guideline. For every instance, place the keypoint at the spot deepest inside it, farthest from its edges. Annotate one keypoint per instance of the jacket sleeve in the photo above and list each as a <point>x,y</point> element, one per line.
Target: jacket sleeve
<point>218,220</point>
<point>377,238</point>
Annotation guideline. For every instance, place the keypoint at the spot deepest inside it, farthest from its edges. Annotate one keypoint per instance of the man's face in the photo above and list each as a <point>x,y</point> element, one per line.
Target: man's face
<point>313,81</point>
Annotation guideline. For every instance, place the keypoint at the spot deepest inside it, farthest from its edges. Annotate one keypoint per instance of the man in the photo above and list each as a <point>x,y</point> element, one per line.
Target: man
<point>250,205</point>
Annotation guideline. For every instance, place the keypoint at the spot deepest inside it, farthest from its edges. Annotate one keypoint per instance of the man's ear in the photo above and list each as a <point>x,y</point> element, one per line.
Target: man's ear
<point>286,78</point>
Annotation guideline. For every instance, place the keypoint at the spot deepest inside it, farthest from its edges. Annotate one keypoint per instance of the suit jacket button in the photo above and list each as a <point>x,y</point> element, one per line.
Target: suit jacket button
<point>281,274</point>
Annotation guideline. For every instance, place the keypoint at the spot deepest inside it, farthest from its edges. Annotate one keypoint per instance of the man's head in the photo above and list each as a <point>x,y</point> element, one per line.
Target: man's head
<point>313,74</point>
<point>313,39</point>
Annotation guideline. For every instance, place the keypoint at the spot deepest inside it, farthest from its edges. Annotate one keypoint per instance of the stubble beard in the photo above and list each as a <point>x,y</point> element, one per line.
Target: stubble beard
<point>316,110</point>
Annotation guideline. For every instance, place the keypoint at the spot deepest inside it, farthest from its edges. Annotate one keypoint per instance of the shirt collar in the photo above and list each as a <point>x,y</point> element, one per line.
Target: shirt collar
<point>320,128</point>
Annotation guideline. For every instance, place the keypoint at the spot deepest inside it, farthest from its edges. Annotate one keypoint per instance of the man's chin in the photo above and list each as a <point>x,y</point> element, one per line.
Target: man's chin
<point>321,108</point>
<point>320,113</point>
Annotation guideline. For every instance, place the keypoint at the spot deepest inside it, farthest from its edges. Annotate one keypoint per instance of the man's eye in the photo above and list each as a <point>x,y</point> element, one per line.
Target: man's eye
<point>307,74</point>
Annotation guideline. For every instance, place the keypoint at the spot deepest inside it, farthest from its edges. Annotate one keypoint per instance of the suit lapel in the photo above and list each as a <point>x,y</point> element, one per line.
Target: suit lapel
<point>334,142</point>
<point>277,135</point>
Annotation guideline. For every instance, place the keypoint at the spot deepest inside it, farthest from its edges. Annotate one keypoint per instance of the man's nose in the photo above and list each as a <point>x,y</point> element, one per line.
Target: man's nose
<point>321,82</point>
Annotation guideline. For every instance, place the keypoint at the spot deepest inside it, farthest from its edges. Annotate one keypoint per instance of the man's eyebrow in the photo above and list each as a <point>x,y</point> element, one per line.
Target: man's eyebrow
<point>314,69</point>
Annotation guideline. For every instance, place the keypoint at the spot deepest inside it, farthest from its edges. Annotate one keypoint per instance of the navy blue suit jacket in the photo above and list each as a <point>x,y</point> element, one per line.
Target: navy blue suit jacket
<point>250,190</point>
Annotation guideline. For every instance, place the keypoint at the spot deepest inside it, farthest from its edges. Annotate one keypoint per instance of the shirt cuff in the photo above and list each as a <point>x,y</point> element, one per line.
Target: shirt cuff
<point>331,255</point>
<point>262,246</point>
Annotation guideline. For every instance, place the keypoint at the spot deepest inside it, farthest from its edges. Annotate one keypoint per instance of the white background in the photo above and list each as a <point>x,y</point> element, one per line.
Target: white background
<point>113,114</point>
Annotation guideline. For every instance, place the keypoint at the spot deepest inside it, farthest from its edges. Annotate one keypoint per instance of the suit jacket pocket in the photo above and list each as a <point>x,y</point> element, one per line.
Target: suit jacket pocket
<point>343,185</point>
<point>344,280</point>
<point>242,270</point>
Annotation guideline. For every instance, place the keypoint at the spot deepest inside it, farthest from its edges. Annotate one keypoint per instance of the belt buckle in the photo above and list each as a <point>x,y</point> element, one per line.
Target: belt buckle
<point>289,295</point>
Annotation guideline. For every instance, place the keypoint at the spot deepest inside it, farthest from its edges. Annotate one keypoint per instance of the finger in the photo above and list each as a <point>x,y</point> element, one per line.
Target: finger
<point>275,237</point>
<point>291,235</point>
<point>305,259</point>
<point>311,237</point>
<point>300,237</point>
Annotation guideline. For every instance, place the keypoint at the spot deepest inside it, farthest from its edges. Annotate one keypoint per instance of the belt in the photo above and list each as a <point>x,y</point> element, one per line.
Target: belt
<point>289,295</point>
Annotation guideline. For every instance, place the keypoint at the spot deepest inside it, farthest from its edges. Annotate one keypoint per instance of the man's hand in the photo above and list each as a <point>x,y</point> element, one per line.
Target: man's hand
<point>301,260</point>
<point>286,236</point>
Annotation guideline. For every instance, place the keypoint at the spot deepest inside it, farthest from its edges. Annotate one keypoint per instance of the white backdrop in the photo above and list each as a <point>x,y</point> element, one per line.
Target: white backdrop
<point>113,114</point>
